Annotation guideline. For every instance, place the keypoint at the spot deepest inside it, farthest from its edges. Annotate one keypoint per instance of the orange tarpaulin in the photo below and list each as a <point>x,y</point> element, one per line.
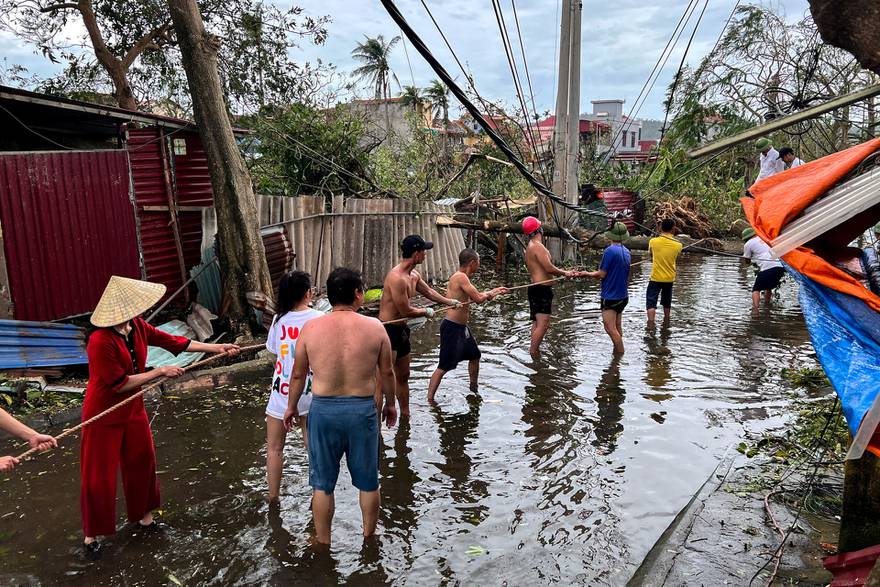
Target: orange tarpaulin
<point>782,197</point>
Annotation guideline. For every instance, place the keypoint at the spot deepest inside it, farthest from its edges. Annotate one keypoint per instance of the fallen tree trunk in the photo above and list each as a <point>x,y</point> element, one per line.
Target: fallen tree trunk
<point>589,239</point>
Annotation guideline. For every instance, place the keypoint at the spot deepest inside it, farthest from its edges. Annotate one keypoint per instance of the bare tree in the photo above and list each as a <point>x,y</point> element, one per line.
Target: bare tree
<point>242,256</point>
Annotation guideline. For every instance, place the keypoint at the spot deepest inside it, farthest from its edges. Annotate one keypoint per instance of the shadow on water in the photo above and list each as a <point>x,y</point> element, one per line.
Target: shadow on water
<point>565,469</point>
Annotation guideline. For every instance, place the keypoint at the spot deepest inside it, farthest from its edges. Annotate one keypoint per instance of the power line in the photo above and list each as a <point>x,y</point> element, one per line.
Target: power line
<point>438,68</point>
<point>675,81</point>
<point>511,62</point>
<point>658,68</point>
<point>486,105</point>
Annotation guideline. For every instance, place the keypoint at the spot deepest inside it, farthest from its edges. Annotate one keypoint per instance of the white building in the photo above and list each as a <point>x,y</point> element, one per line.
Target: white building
<point>625,131</point>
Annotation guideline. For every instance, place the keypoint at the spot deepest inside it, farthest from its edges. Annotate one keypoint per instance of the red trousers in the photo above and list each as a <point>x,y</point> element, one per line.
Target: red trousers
<point>106,449</point>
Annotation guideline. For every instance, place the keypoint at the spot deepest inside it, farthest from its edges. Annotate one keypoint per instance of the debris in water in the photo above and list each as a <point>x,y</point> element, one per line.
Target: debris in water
<point>476,551</point>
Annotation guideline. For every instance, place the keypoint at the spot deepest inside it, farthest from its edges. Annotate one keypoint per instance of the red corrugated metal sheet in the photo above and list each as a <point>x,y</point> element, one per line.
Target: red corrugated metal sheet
<point>618,201</point>
<point>279,253</point>
<point>192,183</point>
<point>68,225</point>
<point>191,187</point>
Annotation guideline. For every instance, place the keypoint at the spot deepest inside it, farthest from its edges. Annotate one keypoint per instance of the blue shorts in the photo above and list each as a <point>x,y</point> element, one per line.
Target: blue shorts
<point>343,426</point>
<point>661,290</point>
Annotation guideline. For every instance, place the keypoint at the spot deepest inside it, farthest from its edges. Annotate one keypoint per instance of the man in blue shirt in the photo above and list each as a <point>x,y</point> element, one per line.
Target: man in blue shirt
<point>614,273</point>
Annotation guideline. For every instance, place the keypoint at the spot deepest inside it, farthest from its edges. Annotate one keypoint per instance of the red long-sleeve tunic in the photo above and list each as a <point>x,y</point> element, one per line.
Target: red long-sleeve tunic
<point>123,438</point>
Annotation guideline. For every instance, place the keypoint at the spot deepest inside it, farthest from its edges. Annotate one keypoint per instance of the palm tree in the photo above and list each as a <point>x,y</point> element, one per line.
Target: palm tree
<point>373,54</point>
<point>411,97</point>
<point>438,95</point>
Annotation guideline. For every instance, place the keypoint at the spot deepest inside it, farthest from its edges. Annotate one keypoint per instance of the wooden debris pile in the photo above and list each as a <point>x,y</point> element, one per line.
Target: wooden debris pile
<point>689,219</point>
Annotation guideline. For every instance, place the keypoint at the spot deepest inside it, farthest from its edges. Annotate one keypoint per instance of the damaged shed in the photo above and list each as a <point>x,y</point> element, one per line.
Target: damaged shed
<point>88,191</point>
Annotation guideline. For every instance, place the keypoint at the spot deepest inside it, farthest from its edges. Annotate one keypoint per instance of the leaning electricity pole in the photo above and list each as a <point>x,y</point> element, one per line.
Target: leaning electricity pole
<point>566,131</point>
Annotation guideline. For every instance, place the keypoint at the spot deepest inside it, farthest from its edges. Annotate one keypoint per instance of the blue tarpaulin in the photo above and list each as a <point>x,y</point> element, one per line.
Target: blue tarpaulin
<point>846,335</point>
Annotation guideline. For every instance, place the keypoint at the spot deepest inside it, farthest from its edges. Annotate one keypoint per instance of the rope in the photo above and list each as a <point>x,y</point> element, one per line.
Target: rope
<point>130,399</point>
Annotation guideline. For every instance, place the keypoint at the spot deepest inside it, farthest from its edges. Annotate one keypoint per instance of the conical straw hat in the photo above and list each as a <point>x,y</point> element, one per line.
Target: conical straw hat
<point>124,299</point>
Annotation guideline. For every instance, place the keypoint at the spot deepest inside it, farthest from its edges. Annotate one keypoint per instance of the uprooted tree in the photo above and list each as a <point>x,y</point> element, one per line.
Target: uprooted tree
<point>241,253</point>
<point>135,48</point>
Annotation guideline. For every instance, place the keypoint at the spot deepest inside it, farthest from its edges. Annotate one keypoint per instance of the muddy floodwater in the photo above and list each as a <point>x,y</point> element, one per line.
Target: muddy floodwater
<point>563,471</point>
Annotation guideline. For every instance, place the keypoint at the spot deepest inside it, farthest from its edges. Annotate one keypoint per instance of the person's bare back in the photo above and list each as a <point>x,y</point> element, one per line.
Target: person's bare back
<point>343,350</point>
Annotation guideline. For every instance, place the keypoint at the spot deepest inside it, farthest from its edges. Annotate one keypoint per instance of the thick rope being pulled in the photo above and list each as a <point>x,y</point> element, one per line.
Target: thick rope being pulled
<point>133,397</point>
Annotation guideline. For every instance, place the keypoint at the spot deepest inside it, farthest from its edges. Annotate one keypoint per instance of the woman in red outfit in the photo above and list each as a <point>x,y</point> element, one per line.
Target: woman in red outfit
<point>117,353</point>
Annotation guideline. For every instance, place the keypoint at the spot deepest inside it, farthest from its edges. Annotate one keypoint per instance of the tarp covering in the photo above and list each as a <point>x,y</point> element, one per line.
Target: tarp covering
<point>841,314</point>
<point>782,197</point>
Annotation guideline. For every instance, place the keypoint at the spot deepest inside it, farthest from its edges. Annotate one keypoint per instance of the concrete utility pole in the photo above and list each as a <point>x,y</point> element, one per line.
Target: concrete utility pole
<point>566,132</point>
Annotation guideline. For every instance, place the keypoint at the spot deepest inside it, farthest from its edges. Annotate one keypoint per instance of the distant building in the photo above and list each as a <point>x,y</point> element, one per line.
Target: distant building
<point>626,132</point>
<point>390,116</point>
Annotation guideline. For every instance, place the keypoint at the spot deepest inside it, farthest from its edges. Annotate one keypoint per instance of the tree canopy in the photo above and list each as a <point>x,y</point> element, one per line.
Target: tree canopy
<point>134,51</point>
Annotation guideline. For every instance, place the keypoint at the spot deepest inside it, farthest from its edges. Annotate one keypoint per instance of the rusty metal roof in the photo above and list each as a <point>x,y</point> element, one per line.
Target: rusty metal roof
<point>41,344</point>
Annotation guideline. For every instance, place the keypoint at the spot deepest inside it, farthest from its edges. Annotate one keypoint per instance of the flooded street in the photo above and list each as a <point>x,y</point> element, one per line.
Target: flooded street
<point>562,471</point>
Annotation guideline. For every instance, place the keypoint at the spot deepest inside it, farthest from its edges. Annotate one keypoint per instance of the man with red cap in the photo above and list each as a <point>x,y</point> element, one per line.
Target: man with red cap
<point>541,269</point>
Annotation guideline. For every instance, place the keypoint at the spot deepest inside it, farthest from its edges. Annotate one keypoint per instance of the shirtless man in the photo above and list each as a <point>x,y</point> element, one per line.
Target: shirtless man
<point>541,268</point>
<point>456,341</point>
<point>344,351</point>
<point>401,284</point>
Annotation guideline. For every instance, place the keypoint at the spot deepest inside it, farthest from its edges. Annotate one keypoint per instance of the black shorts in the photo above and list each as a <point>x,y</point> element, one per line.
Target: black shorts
<point>540,300</point>
<point>768,279</point>
<point>658,289</point>
<point>399,335</point>
<point>616,305</point>
<point>457,344</point>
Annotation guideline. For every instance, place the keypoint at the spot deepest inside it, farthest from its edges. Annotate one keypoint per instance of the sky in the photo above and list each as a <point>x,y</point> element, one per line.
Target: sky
<point>621,42</point>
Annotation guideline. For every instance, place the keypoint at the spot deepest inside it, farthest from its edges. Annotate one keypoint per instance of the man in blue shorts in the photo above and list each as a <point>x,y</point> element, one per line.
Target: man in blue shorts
<point>770,269</point>
<point>344,351</point>
<point>614,273</point>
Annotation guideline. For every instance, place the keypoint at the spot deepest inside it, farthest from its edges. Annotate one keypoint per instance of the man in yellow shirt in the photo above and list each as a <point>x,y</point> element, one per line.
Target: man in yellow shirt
<point>664,252</point>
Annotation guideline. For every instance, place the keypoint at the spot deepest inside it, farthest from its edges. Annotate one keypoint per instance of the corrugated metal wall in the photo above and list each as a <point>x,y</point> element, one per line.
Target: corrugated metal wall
<point>618,201</point>
<point>363,235</point>
<point>68,225</point>
<point>189,187</point>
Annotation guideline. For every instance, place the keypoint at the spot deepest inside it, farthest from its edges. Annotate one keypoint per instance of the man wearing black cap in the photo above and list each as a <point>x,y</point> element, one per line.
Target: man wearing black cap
<point>401,284</point>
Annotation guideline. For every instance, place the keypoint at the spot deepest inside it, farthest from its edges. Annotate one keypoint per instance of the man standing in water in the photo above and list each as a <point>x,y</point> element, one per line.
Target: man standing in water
<point>664,253</point>
<point>770,270</point>
<point>614,273</point>
<point>401,284</point>
<point>541,269</point>
<point>457,343</point>
<point>344,351</point>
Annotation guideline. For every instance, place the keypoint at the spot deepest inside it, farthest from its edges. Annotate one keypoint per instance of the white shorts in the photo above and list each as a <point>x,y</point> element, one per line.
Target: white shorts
<point>278,405</point>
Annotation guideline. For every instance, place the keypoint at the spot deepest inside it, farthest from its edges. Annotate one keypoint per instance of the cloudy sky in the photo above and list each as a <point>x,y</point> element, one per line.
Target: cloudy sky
<point>622,41</point>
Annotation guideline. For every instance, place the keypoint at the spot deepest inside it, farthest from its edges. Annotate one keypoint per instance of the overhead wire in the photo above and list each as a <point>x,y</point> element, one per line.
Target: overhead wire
<point>667,50</point>
<point>675,81</point>
<point>488,107</point>
<point>514,73</point>
<point>499,141</point>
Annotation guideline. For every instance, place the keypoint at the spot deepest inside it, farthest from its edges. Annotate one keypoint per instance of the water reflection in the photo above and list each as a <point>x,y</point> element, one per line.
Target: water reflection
<point>610,395</point>
<point>658,361</point>
<point>457,432</point>
<point>399,479</point>
<point>541,470</point>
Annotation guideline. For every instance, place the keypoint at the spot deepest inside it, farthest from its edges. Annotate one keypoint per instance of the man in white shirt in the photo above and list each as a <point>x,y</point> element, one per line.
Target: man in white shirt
<point>770,270</point>
<point>770,162</point>
<point>786,154</point>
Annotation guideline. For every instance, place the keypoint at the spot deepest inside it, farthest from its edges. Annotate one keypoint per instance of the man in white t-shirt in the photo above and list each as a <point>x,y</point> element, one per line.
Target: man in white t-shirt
<point>294,297</point>
<point>770,162</point>
<point>770,270</point>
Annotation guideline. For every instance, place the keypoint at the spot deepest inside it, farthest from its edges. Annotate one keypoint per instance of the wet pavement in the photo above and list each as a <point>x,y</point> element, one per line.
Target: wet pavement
<point>564,470</point>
